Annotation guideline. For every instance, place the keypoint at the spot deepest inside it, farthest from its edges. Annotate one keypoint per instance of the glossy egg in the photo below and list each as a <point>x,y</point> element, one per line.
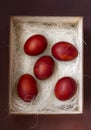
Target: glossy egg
<point>27,87</point>
<point>35,45</point>
<point>65,88</point>
<point>64,51</point>
<point>44,67</point>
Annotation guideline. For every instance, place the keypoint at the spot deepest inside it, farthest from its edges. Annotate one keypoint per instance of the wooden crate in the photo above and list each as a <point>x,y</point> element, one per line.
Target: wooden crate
<point>55,29</point>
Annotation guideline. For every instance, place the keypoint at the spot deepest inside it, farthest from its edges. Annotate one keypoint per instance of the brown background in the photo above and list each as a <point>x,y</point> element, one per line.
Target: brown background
<point>45,8</point>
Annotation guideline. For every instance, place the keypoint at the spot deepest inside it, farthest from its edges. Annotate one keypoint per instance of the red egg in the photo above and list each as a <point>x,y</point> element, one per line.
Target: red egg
<point>27,87</point>
<point>65,88</point>
<point>35,45</point>
<point>44,67</point>
<point>64,51</point>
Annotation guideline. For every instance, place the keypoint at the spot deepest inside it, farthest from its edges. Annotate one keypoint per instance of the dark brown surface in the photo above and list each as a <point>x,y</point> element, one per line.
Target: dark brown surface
<point>45,8</point>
